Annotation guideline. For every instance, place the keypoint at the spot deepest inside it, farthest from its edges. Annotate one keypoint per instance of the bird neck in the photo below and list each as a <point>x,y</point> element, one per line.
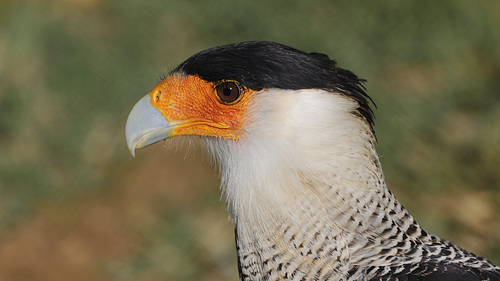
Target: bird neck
<point>309,186</point>
<point>302,148</point>
<point>318,191</point>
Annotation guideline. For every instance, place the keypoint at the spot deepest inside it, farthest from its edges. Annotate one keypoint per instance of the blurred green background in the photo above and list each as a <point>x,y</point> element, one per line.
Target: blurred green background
<point>74,205</point>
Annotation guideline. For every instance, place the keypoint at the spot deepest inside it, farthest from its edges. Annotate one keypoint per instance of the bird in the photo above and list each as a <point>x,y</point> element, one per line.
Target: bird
<point>293,135</point>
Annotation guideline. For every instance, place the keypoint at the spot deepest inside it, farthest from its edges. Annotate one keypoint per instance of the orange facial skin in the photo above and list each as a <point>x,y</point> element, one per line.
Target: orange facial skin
<point>192,106</point>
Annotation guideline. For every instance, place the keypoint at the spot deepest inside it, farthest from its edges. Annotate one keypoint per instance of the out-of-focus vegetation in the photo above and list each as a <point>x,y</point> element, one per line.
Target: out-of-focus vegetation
<point>74,205</point>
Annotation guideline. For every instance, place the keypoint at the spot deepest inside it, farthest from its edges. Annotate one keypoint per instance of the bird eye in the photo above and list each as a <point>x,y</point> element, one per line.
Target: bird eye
<point>228,92</point>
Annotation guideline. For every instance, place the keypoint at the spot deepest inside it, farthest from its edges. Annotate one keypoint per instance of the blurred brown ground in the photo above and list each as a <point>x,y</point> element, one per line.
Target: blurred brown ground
<point>92,238</point>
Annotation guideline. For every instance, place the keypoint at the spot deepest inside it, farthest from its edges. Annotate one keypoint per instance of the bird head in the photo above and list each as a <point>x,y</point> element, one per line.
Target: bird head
<point>214,92</point>
<point>269,113</point>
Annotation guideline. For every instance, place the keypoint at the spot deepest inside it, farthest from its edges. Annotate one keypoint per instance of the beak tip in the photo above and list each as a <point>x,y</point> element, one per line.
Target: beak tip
<point>131,144</point>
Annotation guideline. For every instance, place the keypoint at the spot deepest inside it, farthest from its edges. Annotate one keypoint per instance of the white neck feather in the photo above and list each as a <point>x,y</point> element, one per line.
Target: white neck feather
<point>297,146</point>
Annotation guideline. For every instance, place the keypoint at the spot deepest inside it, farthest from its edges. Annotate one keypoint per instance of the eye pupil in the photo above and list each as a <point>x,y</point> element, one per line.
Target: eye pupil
<point>228,92</point>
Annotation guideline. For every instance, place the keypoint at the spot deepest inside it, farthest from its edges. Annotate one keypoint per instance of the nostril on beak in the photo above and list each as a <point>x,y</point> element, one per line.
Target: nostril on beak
<point>156,96</point>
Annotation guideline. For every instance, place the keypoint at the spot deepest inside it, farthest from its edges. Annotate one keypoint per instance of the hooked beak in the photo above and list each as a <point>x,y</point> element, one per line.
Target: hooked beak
<point>145,125</point>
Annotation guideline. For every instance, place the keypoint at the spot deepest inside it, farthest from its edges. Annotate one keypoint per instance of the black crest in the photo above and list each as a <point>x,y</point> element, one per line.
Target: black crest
<point>264,65</point>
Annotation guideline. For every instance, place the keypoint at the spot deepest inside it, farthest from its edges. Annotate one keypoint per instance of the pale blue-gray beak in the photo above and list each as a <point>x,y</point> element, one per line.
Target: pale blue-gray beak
<point>145,125</point>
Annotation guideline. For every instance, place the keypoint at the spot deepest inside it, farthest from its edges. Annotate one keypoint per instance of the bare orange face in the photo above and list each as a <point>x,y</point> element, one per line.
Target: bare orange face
<point>197,107</point>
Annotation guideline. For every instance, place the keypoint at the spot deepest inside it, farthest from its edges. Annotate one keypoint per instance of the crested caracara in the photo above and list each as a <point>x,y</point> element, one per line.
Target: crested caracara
<point>293,134</point>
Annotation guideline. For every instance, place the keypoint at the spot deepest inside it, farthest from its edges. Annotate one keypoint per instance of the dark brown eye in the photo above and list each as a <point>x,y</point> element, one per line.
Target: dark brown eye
<point>228,92</point>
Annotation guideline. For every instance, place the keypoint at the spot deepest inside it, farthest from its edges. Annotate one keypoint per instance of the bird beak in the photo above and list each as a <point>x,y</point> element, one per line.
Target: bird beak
<point>145,125</point>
